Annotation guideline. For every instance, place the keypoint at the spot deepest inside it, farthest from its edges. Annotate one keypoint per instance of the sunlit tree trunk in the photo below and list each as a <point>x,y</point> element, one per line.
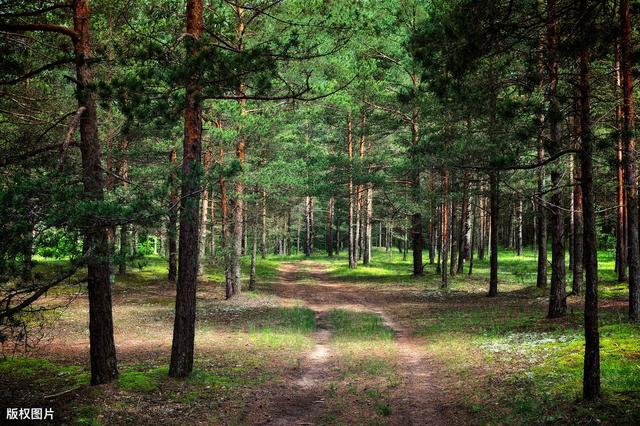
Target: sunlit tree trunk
<point>329,232</point>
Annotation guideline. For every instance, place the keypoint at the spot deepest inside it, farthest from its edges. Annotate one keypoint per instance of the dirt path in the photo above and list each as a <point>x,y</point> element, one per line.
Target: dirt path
<point>422,397</point>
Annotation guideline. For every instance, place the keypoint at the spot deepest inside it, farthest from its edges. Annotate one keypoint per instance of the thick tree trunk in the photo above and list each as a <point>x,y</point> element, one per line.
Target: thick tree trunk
<point>591,377</point>
<point>96,246</point>
<point>185,311</point>
<point>557,297</point>
<point>630,166</point>
<point>493,237</point>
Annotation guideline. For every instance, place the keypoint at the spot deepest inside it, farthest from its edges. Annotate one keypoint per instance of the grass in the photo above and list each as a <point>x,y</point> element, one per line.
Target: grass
<point>507,362</point>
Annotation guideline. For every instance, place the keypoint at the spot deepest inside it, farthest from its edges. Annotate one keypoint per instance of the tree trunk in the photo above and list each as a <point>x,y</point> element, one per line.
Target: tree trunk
<point>204,206</point>
<point>172,227</point>
<point>493,237</point>
<point>453,235</point>
<point>185,311</point>
<point>445,228</point>
<point>329,233</point>
<point>541,280</point>
<point>621,222</point>
<point>630,166</point>
<point>474,231</point>
<point>263,238</point>
<point>124,234</point>
<point>519,228</point>
<point>96,247</point>
<point>308,246</point>
<point>463,236</point>
<point>351,236</point>
<point>366,256</point>
<point>416,218</point>
<point>591,377</point>
<point>557,297</point>
<point>578,226</point>
<point>254,255</point>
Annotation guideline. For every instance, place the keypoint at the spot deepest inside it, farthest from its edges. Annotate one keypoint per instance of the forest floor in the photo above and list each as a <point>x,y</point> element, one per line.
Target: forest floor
<point>319,343</point>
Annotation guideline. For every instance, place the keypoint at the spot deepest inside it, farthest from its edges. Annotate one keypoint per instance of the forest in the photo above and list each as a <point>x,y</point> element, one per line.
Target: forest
<point>319,212</point>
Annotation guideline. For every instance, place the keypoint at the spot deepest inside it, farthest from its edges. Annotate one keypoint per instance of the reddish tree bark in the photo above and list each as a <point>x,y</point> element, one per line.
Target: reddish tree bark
<point>184,325</point>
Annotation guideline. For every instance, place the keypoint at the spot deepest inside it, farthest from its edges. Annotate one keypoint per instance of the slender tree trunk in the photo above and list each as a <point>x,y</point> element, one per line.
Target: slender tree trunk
<point>263,237</point>
<point>329,233</point>
<point>591,378</point>
<point>124,229</point>
<point>578,244</point>
<point>493,238</point>
<point>172,227</point>
<point>124,234</point>
<point>621,223</point>
<point>578,226</point>
<point>96,246</point>
<point>351,236</point>
<point>308,246</point>
<point>204,206</point>
<point>474,231</point>
<point>416,218</point>
<point>453,236</point>
<point>463,235</point>
<point>254,255</point>
<point>445,228</point>
<point>519,228</point>
<point>366,257</point>
<point>185,311</point>
<point>541,280</point>
<point>213,226</point>
<point>288,233</point>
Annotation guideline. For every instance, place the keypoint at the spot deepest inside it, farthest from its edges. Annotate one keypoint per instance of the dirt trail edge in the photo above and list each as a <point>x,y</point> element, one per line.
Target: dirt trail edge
<point>423,398</point>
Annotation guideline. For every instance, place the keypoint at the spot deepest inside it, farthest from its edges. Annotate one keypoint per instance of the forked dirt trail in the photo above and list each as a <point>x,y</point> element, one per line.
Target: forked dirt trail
<point>422,398</point>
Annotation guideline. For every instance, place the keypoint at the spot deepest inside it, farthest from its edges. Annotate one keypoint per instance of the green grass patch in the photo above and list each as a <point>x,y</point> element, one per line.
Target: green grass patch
<point>349,325</point>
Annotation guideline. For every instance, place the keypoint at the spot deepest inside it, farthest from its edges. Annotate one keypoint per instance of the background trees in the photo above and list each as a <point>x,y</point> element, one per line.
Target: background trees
<point>443,128</point>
